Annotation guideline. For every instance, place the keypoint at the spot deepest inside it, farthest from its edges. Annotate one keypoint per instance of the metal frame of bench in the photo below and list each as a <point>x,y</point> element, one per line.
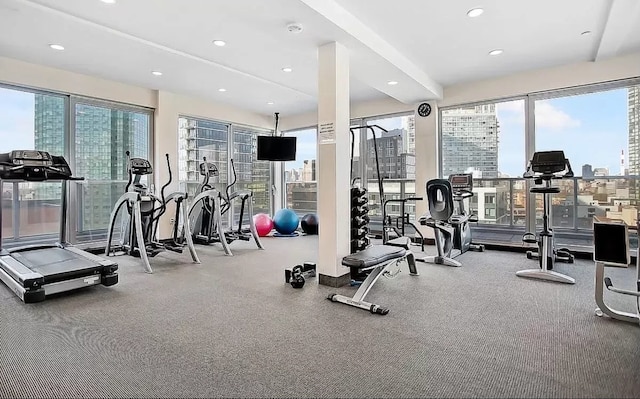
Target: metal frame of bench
<point>377,270</point>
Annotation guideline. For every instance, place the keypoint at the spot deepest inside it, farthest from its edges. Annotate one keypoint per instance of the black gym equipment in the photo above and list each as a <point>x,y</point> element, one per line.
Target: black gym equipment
<point>35,271</point>
<point>374,261</point>
<point>210,205</point>
<point>543,167</point>
<point>309,224</point>
<point>144,209</point>
<point>395,235</point>
<point>297,275</point>
<point>452,230</point>
<point>611,248</point>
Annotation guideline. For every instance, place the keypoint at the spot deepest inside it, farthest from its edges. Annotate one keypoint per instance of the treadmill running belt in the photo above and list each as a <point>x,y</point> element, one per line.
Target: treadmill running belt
<point>52,262</point>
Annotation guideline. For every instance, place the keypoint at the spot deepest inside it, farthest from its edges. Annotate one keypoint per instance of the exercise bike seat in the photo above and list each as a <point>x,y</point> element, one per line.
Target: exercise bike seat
<point>545,190</point>
<point>373,256</point>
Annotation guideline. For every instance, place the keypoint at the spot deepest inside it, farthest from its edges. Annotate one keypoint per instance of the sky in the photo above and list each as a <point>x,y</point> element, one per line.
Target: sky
<point>590,128</point>
<point>16,120</point>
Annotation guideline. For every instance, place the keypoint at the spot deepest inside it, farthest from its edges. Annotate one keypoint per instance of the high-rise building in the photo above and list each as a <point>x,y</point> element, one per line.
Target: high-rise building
<point>409,135</point>
<point>470,140</point>
<point>587,171</point>
<point>102,137</point>
<point>394,162</point>
<point>633,164</point>
<point>309,170</point>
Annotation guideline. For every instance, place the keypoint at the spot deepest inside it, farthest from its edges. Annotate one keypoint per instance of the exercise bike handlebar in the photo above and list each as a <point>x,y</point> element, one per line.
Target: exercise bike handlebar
<point>463,194</point>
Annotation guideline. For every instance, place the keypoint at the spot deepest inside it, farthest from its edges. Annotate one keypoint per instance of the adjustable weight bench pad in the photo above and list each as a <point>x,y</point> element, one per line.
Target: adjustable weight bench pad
<point>373,256</point>
<point>377,258</point>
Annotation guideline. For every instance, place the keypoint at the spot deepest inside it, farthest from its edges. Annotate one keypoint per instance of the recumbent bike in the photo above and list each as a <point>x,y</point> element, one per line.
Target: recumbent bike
<point>544,167</point>
<point>210,205</point>
<point>452,229</point>
<point>140,224</point>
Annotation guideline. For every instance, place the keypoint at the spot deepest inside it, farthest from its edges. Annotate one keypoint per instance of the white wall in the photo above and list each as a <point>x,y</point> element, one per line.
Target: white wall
<point>357,110</point>
<point>41,77</point>
<point>565,76</point>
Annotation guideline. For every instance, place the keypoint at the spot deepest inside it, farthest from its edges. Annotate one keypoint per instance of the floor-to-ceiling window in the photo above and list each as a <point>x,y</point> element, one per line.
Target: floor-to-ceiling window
<point>31,120</point>
<point>596,126</point>
<point>215,140</point>
<point>93,136</point>
<point>251,173</point>
<point>301,188</point>
<point>488,141</point>
<point>395,160</point>
<point>200,139</point>
<point>103,133</point>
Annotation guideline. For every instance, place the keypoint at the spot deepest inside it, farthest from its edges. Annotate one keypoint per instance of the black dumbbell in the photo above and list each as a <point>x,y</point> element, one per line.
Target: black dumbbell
<point>297,279</point>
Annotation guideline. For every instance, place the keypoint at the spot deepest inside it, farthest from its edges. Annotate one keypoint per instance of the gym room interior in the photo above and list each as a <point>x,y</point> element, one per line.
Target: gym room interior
<point>460,174</point>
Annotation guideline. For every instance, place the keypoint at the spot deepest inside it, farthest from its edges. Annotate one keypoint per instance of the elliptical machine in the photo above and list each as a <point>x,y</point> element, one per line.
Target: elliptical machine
<point>452,230</point>
<point>543,167</point>
<point>210,205</point>
<point>140,226</point>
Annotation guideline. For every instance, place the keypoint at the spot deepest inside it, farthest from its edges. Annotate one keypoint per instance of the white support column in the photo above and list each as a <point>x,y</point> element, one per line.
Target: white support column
<point>427,153</point>
<point>333,162</point>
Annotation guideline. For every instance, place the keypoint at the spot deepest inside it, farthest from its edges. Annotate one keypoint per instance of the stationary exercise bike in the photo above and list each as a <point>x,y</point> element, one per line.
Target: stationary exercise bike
<point>543,167</point>
<point>144,209</point>
<point>210,205</point>
<point>452,229</point>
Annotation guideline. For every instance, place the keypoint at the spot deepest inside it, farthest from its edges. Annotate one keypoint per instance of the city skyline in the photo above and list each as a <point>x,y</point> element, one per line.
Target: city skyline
<point>572,124</point>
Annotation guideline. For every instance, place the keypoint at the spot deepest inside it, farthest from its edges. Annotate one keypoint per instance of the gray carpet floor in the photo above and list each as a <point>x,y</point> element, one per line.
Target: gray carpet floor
<point>231,327</point>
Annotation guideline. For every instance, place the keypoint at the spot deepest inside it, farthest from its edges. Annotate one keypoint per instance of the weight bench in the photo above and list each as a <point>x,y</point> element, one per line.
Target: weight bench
<point>377,260</point>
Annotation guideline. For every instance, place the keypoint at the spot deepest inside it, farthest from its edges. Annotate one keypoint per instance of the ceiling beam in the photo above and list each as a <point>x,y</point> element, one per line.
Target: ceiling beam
<point>346,21</point>
<point>622,16</point>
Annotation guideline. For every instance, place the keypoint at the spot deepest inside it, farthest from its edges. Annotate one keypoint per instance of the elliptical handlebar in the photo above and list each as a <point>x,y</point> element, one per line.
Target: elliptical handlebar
<point>128,154</point>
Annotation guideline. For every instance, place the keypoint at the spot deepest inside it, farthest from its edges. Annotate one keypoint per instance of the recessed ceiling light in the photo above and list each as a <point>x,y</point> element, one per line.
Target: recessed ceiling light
<point>157,73</point>
<point>287,69</point>
<point>496,52</point>
<point>56,47</point>
<point>270,103</point>
<point>586,32</point>
<point>392,82</point>
<point>219,43</point>
<point>109,1</point>
<point>475,12</point>
<point>222,90</point>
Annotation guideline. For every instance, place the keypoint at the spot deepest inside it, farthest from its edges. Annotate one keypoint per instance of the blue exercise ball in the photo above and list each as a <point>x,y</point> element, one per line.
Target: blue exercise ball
<point>285,221</point>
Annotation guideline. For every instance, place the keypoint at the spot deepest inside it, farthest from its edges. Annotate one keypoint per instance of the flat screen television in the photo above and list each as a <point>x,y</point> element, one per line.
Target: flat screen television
<point>276,148</point>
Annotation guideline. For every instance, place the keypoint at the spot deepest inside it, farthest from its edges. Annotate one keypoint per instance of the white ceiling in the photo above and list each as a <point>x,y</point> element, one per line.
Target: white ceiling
<point>422,44</point>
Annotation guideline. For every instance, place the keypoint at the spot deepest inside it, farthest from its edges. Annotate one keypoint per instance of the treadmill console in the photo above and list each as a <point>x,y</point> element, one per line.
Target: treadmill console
<point>462,181</point>
<point>211,167</point>
<point>140,166</point>
<point>33,165</point>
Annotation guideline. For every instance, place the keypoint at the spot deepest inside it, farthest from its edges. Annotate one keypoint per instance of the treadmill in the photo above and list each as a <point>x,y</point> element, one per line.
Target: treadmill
<point>32,272</point>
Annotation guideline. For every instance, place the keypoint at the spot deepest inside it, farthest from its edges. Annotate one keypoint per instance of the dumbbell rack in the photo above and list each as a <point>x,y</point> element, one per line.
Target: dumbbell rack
<point>359,219</point>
